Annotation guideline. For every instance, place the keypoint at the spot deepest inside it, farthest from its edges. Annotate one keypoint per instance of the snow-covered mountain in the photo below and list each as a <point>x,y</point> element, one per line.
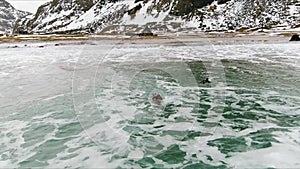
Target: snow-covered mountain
<point>116,16</point>
<point>8,16</point>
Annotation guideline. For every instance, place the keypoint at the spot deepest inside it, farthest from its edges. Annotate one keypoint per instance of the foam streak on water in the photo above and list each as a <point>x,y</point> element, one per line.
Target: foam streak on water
<point>93,106</point>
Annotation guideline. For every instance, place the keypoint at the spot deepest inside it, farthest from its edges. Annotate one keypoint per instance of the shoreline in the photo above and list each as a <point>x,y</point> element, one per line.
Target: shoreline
<point>211,37</point>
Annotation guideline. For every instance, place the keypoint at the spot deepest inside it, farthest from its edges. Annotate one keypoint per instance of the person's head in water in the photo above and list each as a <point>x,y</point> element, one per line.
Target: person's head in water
<point>207,80</point>
<point>157,98</point>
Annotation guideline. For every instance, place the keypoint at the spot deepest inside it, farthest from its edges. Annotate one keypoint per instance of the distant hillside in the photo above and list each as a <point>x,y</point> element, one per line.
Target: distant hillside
<point>119,16</point>
<point>8,16</point>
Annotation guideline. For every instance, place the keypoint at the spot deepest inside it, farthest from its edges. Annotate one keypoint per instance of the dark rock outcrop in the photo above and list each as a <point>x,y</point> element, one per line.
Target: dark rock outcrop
<point>295,38</point>
<point>222,1</point>
<point>147,32</point>
<point>134,10</point>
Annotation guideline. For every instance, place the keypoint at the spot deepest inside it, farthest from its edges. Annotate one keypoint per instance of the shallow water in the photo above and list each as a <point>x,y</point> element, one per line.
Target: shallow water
<point>91,105</point>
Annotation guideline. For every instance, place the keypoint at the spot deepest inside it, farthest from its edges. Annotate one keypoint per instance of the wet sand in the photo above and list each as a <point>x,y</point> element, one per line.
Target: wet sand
<point>201,38</point>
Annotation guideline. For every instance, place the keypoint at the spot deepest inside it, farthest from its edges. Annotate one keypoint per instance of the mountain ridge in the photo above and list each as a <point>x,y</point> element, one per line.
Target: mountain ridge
<point>8,16</point>
<point>119,16</point>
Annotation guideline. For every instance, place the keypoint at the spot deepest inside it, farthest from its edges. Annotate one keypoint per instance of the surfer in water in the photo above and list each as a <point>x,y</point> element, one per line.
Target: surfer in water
<point>207,80</point>
<point>157,98</point>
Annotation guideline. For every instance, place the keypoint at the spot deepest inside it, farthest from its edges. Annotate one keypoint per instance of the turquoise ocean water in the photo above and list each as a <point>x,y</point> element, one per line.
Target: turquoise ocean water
<point>90,106</point>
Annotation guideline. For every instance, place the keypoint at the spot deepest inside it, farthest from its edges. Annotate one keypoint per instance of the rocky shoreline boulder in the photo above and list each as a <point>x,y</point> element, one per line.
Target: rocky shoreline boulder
<point>295,38</point>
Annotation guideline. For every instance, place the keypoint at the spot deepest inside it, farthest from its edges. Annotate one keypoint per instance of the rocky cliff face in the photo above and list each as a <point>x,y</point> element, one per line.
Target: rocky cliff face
<point>243,14</point>
<point>8,16</point>
<point>117,16</point>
